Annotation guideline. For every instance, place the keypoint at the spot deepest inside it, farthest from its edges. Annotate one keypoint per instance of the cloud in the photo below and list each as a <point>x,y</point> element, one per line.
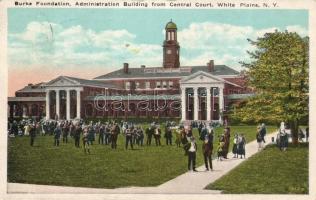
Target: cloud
<point>298,29</point>
<point>225,43</point>
<point>55,46</point>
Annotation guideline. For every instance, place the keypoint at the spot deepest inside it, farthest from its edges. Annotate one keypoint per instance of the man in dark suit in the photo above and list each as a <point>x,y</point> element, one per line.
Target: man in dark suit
<point>149,134</point>
<point>78,131</point>
<point>57,133</point>
<point>128,137</point>
<point>32,134</point>
<point>168,136</point>
<point>208,149</point>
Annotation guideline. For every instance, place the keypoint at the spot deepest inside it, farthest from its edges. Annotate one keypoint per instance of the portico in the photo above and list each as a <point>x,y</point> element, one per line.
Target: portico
<point>204,91</point>
<point>60,95</point>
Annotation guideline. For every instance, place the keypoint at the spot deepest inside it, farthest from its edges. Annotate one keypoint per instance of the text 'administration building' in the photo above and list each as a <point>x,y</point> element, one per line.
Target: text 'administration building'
<point>187,92</point>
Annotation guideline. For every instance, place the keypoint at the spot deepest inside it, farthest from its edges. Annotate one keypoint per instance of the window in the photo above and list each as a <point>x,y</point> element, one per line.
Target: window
<point>172,35</point>
<point>147,85</point>
<point>137,85</point>
<point>171,84</point>
<point>169,51</point>
<point>164,84</point>
<point>215,92</point>
<point>158,84</point>
<point>127,85</point>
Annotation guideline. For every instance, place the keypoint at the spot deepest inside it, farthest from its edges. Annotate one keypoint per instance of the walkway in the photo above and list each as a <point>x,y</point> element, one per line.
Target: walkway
<point>187,183</point>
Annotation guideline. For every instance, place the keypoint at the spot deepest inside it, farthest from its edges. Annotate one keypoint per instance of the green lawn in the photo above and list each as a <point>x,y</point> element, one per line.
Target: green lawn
<point>104,167</point>
<point>269,172</point>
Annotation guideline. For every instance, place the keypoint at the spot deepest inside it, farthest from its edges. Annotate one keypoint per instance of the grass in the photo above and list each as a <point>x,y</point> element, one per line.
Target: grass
<point>269,172</point>
<point>104,167</point>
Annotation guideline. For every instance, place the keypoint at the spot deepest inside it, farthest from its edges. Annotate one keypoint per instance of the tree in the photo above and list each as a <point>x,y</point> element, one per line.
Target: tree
<point>278,73</point>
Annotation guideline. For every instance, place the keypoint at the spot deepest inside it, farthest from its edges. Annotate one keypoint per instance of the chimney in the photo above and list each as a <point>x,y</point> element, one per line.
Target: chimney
<point>125,68</point>
<point>210,66</point>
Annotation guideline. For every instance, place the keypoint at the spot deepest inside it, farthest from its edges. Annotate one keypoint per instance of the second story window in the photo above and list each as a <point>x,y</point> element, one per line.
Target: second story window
<point>127,85</point>
<point>147,85</point>
<point>158,84</point>
<point>170,84</point>
<point>137,85</point>
<point>164,84</point>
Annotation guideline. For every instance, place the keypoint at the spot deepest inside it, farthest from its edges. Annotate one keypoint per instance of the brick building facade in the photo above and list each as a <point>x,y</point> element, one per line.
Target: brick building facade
<point>186,92</point>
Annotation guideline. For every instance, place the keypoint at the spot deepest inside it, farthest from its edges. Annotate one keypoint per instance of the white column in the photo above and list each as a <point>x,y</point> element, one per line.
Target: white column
<point>221,102</point>
<point>208,104</point>
<point>183,104</point>
<point>78,104</point>
<point>68,104</point>
<point>47,105</point>
<point>57,104</point>
<point>196,104</point>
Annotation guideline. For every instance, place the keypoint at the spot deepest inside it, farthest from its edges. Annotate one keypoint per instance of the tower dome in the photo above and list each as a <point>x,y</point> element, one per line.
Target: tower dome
<point>171,25</point>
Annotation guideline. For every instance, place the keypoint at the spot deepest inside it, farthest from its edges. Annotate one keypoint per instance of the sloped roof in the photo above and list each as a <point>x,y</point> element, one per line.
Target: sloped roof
<point>140,72</point>
<point>92,82</point>
<point>39,87</point>
<point>83,82</point>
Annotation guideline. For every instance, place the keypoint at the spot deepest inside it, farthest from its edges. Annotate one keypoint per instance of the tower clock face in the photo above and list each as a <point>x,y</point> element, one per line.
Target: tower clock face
<point>168,51</point>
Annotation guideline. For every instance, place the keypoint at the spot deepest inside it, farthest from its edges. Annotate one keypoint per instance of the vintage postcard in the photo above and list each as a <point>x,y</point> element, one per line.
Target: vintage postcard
<point>153,99</point>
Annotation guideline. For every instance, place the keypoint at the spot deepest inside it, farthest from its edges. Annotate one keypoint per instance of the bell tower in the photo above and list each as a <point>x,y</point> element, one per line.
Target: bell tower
<point>171,48</point>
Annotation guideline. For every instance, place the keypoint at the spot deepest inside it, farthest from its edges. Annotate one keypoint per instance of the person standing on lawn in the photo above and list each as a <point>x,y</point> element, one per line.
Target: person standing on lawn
<point>235,145</point>
<point>85,140</point>
<point>32,132</point>
<point>283,137</point>
<point>57,134</point>
<point>101,131</point>
<point>157,136</point>
<point>259,139</point>
<point>226,141</point>
<point>168,136</point>
<point>114,134</point>
<point>241,146</point>
<point>128,137</point>
<point>191,148</point>
<point>263,132</point>
<point>149,135</point>
<point>77,133</point>
<point>208,149</point>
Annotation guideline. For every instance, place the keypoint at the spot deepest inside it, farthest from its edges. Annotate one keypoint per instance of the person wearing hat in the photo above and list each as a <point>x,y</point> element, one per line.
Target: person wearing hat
<point>128,137</point>
<point>157,136</point>
<point>191,148</point>
<point>57,133</point>
<point>32,132</point>
<point>168,135</point>
<point>77,134</point>
<point>208,149</point>
<point>263,132</point>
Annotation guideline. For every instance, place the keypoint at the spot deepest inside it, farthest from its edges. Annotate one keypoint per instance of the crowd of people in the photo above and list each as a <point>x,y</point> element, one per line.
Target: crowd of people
<point>107,133</point>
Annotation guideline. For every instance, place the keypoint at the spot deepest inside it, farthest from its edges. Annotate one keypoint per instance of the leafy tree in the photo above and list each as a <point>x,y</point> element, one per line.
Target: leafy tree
<point>278,74</point>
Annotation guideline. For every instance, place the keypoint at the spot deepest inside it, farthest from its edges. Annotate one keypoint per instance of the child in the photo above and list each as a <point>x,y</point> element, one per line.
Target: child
<point>241,146</point>
<point>235,145</point>
<point>220,151</point>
